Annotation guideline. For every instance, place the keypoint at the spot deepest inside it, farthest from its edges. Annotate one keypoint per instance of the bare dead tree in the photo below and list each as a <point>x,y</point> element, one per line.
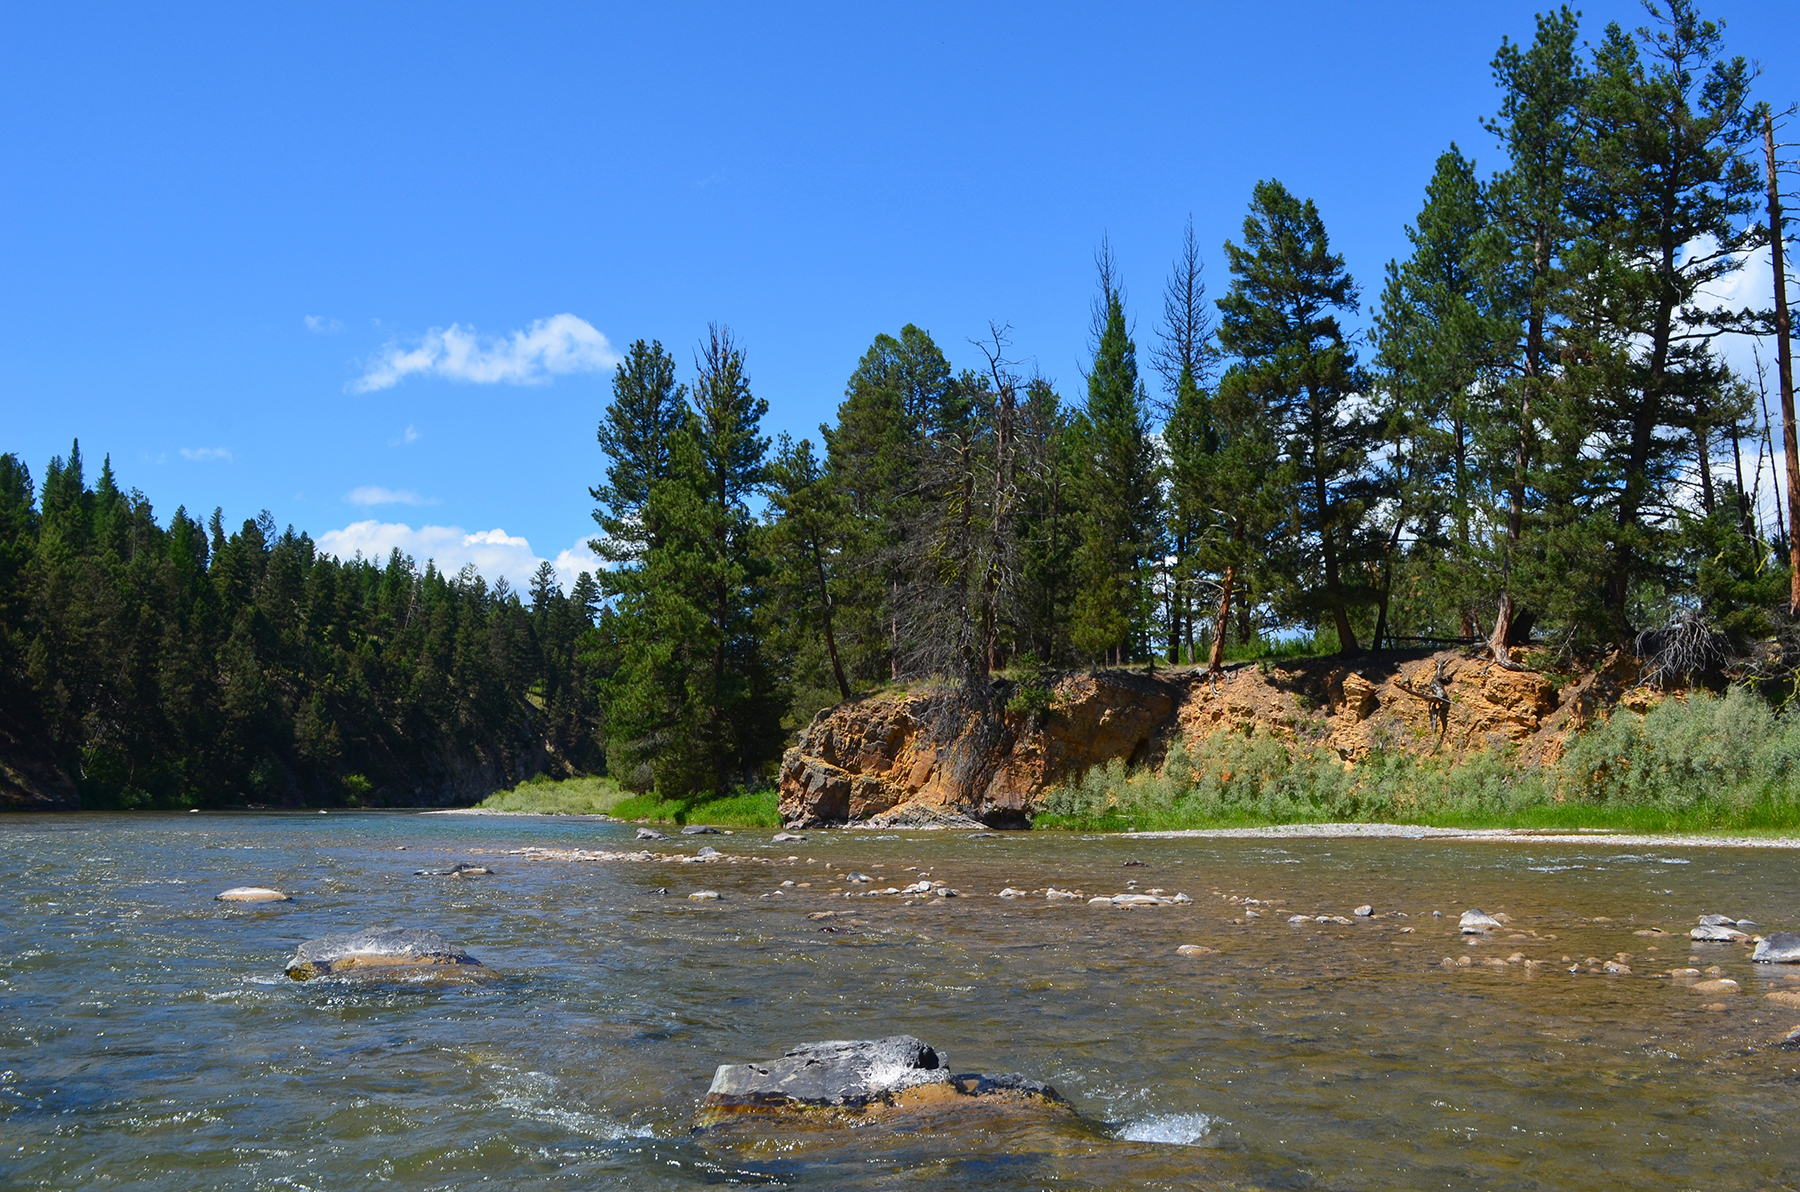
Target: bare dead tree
<point>1185,331</point>
<point>1784,359</point>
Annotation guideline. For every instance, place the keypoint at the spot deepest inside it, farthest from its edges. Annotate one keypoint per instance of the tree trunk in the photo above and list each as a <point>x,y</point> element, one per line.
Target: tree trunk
<point>1217,661</point>
<point>837,668</point>
<point>1784,367</point>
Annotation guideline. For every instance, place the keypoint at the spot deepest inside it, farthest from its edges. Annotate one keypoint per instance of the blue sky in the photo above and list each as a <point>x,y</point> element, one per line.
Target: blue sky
<point>366,265</point>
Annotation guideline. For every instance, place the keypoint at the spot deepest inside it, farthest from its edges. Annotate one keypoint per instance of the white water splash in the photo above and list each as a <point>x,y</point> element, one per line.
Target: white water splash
<point>1178,1129</point>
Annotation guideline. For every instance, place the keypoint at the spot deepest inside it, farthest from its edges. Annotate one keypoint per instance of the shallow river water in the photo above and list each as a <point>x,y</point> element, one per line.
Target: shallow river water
<point>148,1039</point>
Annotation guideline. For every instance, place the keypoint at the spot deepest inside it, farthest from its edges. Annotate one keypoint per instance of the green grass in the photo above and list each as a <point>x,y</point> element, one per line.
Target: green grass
<point>1703,764</point>
<point>741,809</point>
<point>570,796</point>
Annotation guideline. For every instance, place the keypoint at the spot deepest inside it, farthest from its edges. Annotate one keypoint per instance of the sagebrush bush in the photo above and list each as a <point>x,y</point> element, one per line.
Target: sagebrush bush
<point>1701,761</point>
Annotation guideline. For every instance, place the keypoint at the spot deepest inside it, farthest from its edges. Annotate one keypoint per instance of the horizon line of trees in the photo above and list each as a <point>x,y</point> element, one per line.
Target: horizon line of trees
<point>1536,441</point>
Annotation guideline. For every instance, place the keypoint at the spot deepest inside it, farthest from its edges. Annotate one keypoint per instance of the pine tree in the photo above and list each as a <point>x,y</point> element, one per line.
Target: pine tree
<point>1117,483</point>
<point>1191,441</point>
<point>648,406</point>
<point>1444,333</point>
<point>1293,357</point>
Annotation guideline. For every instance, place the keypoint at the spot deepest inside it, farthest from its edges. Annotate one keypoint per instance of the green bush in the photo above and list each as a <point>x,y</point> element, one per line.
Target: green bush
<point>571,796</point>
<point>740,809</point>
<point>1700,763</point>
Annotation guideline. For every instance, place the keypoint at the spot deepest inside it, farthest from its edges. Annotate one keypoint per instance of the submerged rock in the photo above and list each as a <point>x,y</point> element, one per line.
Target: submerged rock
<point>376,952</point>
<point>1778,947</point>
<point>1475,922</point>
<point>251,894</point>
<point>1784,997</point>
<point>853,1080</point>
<point>1716,985</point>
<point>1196,950</point>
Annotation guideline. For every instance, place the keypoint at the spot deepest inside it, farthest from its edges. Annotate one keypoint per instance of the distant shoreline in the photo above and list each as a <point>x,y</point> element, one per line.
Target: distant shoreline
<point>1341,831</point>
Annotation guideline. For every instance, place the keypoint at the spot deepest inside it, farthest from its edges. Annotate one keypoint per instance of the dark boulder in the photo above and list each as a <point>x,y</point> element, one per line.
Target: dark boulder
<point>378,952</point>
<point>650,834</point>
<point>698,830</point>
<point>458,870</point>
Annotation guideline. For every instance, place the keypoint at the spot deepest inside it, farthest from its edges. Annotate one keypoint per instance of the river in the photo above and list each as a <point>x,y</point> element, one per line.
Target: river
<point>149,1039</point>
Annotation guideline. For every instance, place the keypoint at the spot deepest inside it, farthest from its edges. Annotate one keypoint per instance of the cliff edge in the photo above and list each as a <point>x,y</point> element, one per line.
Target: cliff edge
<point>938,753</point>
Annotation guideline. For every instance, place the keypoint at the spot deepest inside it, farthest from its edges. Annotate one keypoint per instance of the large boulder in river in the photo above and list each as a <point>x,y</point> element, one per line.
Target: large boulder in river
<point>377,952</point>
<point>1778,947</point>
<point>849,1082</point>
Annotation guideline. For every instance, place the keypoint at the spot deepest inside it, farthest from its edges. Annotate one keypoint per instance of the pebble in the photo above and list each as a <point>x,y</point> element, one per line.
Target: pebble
<point>1196,950</point>
<point>1009,892</point>
<point>1364,911</point>
<point>251,894</point>
<point>859,878</point>
<point>704,895</point>
<point>1716,985</point>
<point>1614,966</point>
<point>1297,919</point>
<point>1055,895</point>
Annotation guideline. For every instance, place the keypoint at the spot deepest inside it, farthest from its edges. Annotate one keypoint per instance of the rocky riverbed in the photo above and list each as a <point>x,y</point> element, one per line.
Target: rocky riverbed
<point>1378,1014</point>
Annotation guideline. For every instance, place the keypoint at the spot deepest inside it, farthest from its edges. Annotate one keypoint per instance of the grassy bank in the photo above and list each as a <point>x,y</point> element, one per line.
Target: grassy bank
<point>1703,764</point>
<point>603,796</point>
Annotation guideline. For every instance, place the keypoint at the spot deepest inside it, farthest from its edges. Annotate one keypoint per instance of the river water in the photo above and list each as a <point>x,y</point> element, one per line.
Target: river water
<point>148,1039</point>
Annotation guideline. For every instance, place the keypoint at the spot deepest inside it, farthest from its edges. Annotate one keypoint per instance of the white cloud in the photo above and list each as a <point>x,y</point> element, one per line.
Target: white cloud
<point>409,435</point>
<point>203,454</point>
<point>494,553</point>
<point>549,347</point>
<point>322,324</point>
<point>374,494</point>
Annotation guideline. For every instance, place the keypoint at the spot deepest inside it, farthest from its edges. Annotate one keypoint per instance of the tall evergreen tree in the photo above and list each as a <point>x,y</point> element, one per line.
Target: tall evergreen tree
<point>1293,357</point>
<point>1118,489</point>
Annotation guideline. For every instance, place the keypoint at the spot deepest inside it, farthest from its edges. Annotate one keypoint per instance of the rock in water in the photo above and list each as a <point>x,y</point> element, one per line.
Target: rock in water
<point>378,952</point>
<point>1717,935</point>
<point>1364,911</point>
<point>786,837</point>
<point>1778,947</point>
<point>698,830</point>
<point>457,870</point>
<point>1717,921</point>
<point>856,1079</point>
<point>650,834</point>
<point>1475,922</point>
<point>1792,1042</point>
<point>251,894</point>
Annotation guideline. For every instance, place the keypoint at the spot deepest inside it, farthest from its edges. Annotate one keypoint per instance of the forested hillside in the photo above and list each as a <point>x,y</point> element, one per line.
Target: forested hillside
<point>1538,439</point>
<point>164,665</point>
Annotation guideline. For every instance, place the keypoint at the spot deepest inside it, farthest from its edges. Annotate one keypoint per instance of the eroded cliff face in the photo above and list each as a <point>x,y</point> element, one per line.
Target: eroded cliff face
<point>940,754</point>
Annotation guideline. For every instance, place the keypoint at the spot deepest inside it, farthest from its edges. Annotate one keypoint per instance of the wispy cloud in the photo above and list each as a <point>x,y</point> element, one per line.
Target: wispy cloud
<point>409,435</point>
<point>374,494</point>
<point>323,325</point>
<point>494,553</point>
<point>203,454</point>
<point>549,347</point>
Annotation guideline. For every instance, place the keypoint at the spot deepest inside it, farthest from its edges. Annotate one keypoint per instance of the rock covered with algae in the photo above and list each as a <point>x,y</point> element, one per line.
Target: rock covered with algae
<point>377,952</point>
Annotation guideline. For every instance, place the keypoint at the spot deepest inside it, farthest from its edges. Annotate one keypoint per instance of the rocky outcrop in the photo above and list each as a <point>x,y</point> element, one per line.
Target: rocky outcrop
<point>938,756</point>
<point>966,756</point>
<point>855,1082</point>
<point>378,952</point>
